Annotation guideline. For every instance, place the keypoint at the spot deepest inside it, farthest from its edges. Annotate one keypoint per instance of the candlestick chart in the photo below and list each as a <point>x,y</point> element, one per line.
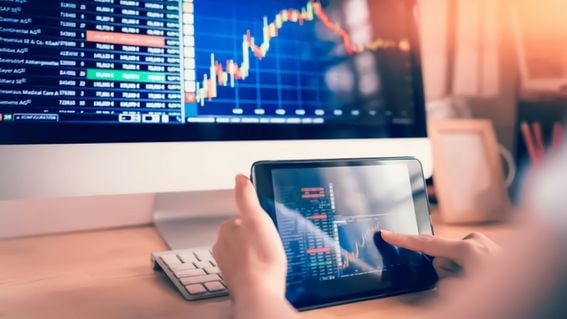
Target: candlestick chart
<point>270,56</point>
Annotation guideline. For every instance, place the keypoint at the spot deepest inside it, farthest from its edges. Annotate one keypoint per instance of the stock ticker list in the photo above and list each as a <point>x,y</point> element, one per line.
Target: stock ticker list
<point>100,60</point>
<point>310,240</point>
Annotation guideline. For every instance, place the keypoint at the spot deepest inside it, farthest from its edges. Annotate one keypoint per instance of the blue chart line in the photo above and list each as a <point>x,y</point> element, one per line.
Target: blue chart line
<point>356,239</point>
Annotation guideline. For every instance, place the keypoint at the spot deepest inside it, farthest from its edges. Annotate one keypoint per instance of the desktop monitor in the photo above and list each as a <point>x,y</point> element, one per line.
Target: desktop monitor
<point>107,97</point>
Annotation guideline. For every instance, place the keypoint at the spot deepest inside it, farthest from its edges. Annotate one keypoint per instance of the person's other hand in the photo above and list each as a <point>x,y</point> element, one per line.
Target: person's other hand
<point>452,258</point>
<point>249,251</point>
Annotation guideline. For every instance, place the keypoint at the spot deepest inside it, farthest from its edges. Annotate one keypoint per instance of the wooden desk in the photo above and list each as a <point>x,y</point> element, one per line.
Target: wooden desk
<point>107,274</point>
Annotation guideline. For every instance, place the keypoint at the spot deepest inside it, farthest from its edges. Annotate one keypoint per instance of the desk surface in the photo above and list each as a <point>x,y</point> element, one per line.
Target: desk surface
<point>107,274</point>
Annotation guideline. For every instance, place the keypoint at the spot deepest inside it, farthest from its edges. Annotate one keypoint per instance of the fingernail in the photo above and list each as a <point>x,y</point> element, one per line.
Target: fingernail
<point>383,231</point>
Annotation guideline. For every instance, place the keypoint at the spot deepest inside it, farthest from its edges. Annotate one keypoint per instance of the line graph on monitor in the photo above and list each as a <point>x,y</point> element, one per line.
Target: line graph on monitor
<point>253,50</point>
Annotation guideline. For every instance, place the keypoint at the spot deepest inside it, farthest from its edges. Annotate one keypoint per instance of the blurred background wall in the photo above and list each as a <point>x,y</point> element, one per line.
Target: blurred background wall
<point>475,54</point>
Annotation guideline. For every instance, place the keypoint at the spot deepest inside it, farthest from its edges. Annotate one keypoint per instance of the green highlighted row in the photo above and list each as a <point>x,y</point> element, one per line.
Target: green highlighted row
<point>323,263</point>
<point>125,76</point>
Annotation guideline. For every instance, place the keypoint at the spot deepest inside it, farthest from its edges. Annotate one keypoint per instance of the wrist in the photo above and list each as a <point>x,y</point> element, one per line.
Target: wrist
<point>258,300</point>
<point>255,290</point>
<point>248,290</point>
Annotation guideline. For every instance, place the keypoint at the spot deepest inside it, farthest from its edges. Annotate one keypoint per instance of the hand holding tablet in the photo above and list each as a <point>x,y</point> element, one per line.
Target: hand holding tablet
<point>453,258</point>
<point>327,214</point>
<point>253,261</point>
<point>477,296</point>
<point>251,241</point>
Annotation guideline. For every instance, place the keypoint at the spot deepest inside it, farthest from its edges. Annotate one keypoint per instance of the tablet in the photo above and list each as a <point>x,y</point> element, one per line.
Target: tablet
<point>329,214</point>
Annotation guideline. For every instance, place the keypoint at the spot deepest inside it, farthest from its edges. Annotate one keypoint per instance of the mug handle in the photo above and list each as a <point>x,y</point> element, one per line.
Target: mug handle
<point>510,163</point>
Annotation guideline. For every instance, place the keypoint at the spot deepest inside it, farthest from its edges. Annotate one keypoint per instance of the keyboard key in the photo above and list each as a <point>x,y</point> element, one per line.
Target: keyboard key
<point>199,279</point>
<point>195,289</point>
<point>214,286</point>
<point>187,257</point>
<point>189,273</point>
<point>181,267</point>
<point>203,264</point>
<point>212,270</point>
<point>203,255</point>
<point>171,260</point>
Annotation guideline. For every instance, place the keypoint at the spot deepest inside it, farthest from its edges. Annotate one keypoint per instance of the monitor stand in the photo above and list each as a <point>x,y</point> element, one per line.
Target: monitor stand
<point>191,219</point>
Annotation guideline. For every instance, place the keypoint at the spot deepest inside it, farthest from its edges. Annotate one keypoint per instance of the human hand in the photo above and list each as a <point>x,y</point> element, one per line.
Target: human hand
<point>452,258</point>
<point>249,251</point>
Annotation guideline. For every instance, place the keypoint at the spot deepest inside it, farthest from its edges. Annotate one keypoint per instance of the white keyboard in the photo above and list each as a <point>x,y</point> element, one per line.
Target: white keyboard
<point>193,271</point>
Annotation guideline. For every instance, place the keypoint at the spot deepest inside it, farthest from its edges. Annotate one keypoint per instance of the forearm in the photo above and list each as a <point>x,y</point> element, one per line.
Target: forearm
<point>256,304</point>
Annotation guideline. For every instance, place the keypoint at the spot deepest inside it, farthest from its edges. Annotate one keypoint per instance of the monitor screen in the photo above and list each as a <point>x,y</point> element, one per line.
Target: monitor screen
<point>201,70</point>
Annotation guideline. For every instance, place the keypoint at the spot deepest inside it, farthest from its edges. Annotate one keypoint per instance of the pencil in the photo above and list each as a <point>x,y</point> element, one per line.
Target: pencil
<point>529,141</point>
<point>539,146</point>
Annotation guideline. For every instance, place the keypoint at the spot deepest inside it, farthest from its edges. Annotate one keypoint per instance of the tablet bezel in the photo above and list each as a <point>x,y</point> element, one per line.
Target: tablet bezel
<point>261,175</point>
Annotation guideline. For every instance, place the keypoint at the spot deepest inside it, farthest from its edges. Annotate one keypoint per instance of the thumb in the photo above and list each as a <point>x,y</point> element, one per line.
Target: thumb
<point>247,202</point>
<point>427,244</point>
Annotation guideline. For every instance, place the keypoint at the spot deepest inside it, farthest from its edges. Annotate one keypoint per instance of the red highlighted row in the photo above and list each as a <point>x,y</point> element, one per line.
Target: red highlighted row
<point>313,196</point>
<point>318,250</point>
<point>126,39</point>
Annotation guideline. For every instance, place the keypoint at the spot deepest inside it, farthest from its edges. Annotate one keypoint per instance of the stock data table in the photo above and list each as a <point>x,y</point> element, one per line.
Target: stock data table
<point>91,60</point>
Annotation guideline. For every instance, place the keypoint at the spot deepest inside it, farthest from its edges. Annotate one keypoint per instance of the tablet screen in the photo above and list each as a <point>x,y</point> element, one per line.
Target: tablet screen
<point>328,218</point>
